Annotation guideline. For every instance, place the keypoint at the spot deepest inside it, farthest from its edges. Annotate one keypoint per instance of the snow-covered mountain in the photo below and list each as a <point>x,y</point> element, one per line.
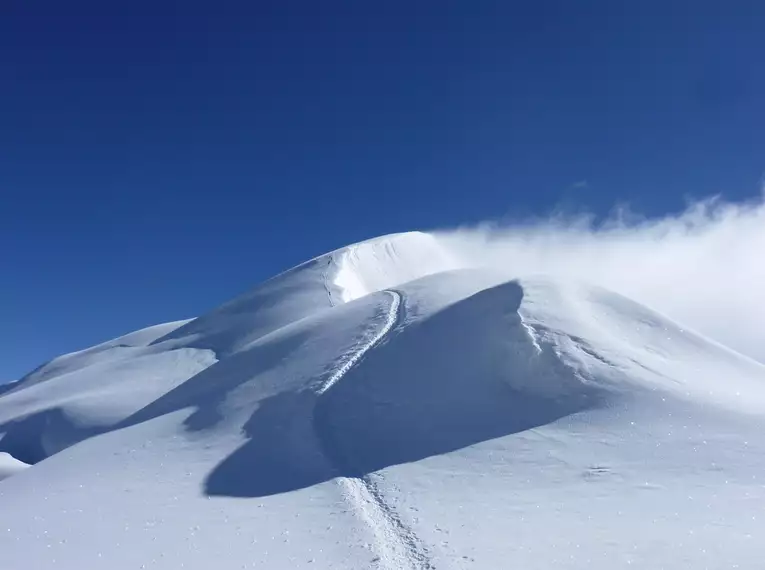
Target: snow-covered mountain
<point>389,406</point>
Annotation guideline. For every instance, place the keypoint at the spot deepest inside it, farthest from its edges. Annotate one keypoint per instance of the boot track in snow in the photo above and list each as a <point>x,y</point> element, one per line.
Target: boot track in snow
<point>398,547</point>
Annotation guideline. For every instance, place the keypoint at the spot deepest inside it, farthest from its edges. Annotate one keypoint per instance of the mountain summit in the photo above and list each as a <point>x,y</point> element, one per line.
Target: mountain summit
<point>390,405</point>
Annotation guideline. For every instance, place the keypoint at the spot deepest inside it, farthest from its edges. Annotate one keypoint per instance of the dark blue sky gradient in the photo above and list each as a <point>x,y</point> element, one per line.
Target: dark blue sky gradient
<point>157,158</point>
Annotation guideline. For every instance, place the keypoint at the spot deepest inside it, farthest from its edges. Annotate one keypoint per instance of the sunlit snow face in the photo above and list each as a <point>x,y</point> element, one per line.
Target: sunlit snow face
<point>704,267</point>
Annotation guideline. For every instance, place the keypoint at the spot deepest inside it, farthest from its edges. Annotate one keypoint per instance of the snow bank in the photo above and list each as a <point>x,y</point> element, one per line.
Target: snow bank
<point>10,465</point>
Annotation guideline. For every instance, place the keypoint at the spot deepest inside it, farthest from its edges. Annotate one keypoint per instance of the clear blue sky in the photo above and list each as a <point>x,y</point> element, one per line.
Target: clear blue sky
<point>157,158</point>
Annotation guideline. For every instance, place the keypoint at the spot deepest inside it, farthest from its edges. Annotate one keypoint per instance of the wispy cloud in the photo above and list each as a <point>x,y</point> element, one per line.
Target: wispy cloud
<point>704,267</point>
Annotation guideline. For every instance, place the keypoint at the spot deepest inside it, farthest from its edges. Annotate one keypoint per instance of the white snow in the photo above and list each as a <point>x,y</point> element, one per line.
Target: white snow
<point>389,406</point>
<point>378,264</point>
<point>9,465</point>
<point>107,351</point>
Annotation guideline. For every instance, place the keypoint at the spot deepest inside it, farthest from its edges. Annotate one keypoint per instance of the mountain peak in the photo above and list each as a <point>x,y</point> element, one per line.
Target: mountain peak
<point>389,405</point>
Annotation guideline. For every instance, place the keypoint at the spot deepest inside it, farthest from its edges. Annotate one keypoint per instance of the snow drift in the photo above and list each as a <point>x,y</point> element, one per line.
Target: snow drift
<point>389,405</point>
<point>9,465</point>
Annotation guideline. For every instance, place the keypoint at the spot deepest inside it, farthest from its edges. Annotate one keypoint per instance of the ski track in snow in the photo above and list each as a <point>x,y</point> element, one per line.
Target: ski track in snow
<point>326,277</point>
<point>398,547</point>
<point>356,356</point>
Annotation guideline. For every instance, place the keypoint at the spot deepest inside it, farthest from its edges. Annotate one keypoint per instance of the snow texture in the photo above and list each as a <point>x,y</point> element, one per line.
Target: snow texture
<point>389,406</point>
<point>9,465</point>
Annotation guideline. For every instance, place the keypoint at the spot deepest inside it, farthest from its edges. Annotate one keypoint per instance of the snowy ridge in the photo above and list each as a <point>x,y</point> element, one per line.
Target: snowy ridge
<point>389,406</point>
<point>387,262</point>
<point>109,351</point>
<point>356,356</point>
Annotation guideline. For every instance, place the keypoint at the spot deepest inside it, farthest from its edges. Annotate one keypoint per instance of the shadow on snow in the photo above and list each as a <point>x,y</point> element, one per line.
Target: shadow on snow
<point>468,374</point>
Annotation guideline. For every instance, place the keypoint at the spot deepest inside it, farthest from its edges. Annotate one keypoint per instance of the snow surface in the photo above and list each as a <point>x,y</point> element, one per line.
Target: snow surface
<point>9,465</point>
<point>385,406</point>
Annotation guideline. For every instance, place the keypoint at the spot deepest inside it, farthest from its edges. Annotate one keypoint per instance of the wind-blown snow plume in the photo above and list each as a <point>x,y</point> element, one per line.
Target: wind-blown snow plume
<point>704,267</point>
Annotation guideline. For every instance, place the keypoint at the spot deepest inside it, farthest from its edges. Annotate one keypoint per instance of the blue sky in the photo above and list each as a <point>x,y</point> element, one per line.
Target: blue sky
<point>157,158</point>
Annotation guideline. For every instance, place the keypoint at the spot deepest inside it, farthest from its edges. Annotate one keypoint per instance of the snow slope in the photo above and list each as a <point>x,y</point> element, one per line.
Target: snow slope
<point>383,406</point>
<point>9,465</point>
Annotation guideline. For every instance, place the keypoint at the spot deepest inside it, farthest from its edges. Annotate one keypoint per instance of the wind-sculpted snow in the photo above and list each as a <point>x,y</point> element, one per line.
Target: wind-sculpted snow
<point>384,263</point>
<point>110,351</point>
<point>464,375</point>
<point>43,419</point>
<point>385,406</point>
<point>9,465</point>
<point>85,393</point>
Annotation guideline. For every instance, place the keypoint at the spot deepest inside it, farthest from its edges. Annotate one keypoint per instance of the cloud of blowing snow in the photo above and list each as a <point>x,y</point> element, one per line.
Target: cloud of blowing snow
<point>704,267</point>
